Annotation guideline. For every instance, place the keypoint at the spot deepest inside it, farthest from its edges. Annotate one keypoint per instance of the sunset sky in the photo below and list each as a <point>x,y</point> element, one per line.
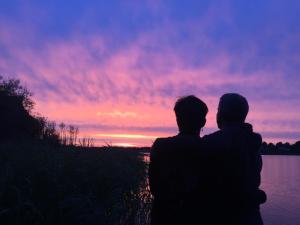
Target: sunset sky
<point>115,67</point>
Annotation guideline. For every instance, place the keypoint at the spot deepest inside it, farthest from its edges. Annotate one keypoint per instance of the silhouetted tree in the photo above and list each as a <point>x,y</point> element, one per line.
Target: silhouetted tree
<point>15,115</point>
<point>63,136</point>
<point>12,87</point>
<point>86,142</point>
<point>76,132</point>
<point>281,148</point>
<point>71,135</point>
<point>296,147</point>
<point>15,120</point>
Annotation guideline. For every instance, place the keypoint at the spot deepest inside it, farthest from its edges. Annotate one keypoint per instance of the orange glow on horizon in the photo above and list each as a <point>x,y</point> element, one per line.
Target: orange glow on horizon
<point>127,136</point>
<point>125,145</point>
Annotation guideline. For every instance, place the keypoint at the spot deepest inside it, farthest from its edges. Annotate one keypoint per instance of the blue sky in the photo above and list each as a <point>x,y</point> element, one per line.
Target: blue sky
<point>136,58</point>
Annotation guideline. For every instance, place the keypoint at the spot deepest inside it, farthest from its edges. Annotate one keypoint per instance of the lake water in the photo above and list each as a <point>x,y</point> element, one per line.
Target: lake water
<point>281,181</point>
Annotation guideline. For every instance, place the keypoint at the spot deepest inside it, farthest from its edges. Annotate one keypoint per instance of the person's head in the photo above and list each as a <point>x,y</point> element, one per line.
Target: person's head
<point>233,108</point>
<point>190,114</point>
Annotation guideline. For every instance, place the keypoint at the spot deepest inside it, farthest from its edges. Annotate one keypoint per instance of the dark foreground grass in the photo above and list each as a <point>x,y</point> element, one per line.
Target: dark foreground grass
<point>41,185</point>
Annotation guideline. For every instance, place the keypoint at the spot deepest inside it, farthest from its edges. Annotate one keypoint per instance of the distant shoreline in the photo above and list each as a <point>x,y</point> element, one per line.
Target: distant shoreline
<point>283,153</point>
<point>147,150</point>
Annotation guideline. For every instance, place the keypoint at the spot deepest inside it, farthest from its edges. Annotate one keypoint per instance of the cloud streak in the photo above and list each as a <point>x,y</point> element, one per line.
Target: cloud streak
<point>126,73</point>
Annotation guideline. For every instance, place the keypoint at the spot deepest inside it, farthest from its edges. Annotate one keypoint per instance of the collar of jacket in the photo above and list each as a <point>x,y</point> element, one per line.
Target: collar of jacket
<point>246,126</point>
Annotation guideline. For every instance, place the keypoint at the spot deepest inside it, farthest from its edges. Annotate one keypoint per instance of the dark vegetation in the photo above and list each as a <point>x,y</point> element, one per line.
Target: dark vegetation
<point>19,123</point>
<point>42,184</point>
<point>281,148</point>
<point>16,119</point>
<point>50,176</point>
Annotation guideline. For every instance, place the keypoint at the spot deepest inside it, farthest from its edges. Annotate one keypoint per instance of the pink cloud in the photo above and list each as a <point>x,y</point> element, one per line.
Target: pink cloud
<point>80,80</point>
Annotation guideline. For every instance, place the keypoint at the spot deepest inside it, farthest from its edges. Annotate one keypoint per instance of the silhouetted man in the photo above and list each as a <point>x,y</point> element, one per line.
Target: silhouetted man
<point>237,165</point>
<point>174,164</point>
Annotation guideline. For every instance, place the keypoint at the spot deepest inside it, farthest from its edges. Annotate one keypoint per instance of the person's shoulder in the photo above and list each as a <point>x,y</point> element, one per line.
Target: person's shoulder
<point>177,142</point>
<point>212,136</point>
<point>257,136</point>
<point>256,139</point>
<point>160,146</point>
<point>162,141</point>
<point>215,142</point>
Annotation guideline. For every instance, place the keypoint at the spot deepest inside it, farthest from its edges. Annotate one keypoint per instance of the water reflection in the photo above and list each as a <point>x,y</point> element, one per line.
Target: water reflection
<point>281,181</point>
<point>146,157</point>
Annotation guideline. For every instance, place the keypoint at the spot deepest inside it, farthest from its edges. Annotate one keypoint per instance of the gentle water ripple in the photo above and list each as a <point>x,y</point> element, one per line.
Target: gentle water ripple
<point>281,181</point>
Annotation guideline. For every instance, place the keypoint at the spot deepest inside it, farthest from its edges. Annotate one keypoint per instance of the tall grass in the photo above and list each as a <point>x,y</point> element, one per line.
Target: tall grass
<point>72,186</point>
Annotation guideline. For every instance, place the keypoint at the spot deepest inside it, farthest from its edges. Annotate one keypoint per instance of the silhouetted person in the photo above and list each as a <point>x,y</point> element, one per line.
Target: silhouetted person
<point>237,165</point>
<point>173,170</point>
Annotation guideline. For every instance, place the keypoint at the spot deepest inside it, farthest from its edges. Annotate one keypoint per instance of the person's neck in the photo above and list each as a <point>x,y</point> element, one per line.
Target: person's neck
<point>194,133</point>
<point>230,124</point>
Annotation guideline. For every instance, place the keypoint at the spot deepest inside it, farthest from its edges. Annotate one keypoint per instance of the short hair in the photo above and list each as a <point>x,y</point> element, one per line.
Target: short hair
<point>233,107</point>
<point>190,113</point>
